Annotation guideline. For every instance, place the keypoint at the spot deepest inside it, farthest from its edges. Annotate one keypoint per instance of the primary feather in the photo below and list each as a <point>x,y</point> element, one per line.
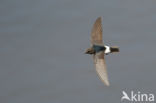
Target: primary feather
<point>100,66</point>
<point>96,33</point>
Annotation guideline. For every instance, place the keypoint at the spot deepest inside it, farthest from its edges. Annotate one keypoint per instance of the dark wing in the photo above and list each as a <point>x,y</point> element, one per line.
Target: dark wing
<point>96,33</point>
<point>100,66</point>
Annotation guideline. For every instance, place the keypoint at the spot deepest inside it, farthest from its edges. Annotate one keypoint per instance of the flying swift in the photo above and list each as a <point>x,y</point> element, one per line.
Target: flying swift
<point>99,50</point>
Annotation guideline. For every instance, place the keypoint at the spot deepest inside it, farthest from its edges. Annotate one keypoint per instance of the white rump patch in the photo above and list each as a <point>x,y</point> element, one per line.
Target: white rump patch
<point>107,49</point>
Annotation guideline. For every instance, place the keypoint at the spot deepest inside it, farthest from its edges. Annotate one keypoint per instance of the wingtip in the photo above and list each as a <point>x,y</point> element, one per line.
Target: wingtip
<point>99,18</point>
<point>107,83</point>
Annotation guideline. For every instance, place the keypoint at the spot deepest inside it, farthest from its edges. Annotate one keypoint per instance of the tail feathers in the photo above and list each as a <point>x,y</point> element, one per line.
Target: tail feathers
<point>114,49</point>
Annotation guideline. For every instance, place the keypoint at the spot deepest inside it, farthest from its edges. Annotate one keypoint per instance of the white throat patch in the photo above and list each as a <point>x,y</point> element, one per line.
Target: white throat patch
<point>107,49</point>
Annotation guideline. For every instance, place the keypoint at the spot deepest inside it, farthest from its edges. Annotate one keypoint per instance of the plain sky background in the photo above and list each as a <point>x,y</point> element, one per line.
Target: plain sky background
<point>42,44</point>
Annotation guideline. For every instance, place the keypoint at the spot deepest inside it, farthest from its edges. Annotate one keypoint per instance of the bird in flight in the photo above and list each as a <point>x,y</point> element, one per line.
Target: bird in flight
<point>99,50</point>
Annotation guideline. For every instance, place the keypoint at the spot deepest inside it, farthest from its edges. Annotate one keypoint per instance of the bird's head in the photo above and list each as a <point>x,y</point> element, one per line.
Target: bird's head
<point>90,51</point>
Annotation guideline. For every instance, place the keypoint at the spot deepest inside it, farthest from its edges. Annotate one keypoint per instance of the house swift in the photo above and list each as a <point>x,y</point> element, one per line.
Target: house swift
<point>99,50</point>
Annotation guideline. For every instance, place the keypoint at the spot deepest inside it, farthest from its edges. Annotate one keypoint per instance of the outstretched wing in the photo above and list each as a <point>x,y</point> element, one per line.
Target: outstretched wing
<point>96,33</point>
<point>96,38</point>
<point>100,66</point>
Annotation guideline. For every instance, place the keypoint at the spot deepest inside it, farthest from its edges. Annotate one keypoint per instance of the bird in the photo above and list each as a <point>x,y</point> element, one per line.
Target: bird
<point>99,50</point>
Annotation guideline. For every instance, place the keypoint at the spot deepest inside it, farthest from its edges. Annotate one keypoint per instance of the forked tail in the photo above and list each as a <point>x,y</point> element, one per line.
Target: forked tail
<point>114,49</point>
